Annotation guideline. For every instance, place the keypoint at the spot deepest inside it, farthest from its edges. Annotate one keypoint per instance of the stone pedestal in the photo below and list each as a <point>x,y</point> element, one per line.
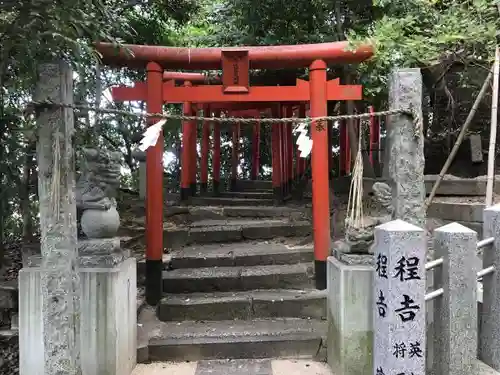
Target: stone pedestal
<point>108,318</point>
<point>350,322</point>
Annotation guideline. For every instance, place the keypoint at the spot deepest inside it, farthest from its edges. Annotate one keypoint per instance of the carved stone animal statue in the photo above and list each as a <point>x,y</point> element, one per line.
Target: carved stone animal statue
<point>382,194</point>
<point>95,193</point>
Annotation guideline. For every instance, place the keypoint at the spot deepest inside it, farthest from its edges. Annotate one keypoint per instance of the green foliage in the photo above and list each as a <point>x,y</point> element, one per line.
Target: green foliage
<point>427,33</point>
<point>37,31</point>
<point>430,34</point>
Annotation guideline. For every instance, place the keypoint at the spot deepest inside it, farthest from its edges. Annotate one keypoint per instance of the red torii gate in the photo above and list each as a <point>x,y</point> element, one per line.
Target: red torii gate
<point>235,63</point>
<point>188,173</point>
<point>283,160</point>
<point>245,113</point>
<point>244,110</point>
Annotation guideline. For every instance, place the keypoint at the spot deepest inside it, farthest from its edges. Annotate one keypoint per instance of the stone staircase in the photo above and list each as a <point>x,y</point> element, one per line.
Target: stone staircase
<point>239,285</point>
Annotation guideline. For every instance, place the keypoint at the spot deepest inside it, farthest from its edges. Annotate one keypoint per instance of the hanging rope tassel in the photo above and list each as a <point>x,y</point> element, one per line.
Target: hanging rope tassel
<point>355,217</point>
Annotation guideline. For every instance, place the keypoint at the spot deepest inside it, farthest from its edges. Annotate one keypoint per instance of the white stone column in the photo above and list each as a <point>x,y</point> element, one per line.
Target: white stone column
<point>489,337</point>
<point>399,299</point>
<point>455,312</point>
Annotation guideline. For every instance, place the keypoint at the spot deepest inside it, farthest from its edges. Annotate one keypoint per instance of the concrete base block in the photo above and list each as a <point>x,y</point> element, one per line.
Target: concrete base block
<point>108,320</point>
<point>350,325</point>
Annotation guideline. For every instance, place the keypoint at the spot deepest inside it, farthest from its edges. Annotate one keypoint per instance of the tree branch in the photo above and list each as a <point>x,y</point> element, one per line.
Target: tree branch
<point>111,141</point>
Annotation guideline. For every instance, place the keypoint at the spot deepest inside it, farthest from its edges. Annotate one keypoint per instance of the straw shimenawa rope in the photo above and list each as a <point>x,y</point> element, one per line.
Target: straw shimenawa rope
<point>355,204</point>
<point>243,120</point>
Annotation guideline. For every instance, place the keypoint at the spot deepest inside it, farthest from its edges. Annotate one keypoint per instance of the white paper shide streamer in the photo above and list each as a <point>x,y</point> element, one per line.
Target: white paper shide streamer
<point>303,141</point>
<point>151,135</point>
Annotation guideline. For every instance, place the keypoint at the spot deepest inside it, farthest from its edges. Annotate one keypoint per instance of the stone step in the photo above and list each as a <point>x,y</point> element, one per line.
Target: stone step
<point>224,201</point>
<point>248,185</point>
<point>237,254</point>
<point>231,279</point>
<point>245,305</point>
<point>450,186</point>
<point>233,230</point>
<point>452,209</point>
<point>247,194</point>
<point>240,254</point>
<point>257,190</point>
<point>455,186</point>
<point>180,213</point>
<point>197,213</point>
<point>263,211</point>
<point>277,338</point>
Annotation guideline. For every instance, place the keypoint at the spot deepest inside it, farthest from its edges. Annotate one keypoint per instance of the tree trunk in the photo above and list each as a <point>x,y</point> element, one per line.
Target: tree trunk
<point>3,195</point>
<point>2,229</point>
<point>26,191</point>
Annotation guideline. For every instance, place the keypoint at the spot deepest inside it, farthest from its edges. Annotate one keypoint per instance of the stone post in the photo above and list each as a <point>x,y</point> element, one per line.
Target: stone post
<point>489,338</point>
<point>399,299</point>
<point>50,345</point>
<point>476,148</point>
<point>455,312</point>
<point>405,148</point>
<point>76,294</point>
<point>141,158</point>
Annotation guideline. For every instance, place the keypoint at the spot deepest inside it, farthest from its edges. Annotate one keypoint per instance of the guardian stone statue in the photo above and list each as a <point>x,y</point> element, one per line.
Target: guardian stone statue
<point>96,193</point>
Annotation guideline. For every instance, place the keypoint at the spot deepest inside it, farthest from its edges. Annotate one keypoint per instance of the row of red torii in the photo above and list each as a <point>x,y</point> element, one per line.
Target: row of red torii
<point>239,98</point>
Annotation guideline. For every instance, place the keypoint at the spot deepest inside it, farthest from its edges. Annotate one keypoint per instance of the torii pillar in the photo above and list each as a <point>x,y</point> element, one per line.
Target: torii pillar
<point>320,180</point>
<point>154,196</point>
